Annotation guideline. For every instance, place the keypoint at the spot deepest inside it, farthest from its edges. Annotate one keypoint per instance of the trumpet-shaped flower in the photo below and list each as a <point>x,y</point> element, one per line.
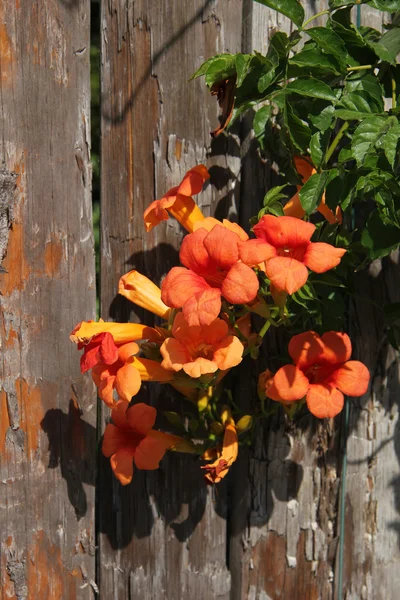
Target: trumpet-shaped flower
<point>225,456</point>
<point>212,270</point>
<point>293,207</point>
<point>200,349</point>
<point>322,372</point>
<point>287,239</point>
<point>139,289</point>
<point>179,202</point>
<point>132,440</point>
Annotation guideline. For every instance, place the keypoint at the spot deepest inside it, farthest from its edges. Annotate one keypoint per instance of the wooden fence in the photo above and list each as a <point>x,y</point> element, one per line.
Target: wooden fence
<point>67,528</point>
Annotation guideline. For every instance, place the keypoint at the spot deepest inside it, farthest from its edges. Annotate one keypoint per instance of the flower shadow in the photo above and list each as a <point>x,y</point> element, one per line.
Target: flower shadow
<point>72,444</point>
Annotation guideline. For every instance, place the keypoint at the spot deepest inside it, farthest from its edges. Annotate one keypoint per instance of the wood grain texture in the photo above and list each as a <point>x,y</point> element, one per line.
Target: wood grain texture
<point>272,530</point>
<point>164,536</point>
<point>47,412</point>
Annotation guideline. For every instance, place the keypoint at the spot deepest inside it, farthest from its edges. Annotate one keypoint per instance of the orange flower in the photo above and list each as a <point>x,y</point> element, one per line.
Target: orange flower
<point>119,375</point>
<point>121,333</point>
<point>114,367</point>
<point>200,349</point>
<point>143,292</point>
<point>322,372</point>
<point>293,207</point>
<point>179,202</point>
<point>209,223</point>
<point>213,269</point>
<point>131,439</point>
<point>288,241</point>
<point>225,456</point>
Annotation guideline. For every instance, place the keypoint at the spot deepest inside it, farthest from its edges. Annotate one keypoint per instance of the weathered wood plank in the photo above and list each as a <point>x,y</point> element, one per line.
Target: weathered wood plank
<point>47,435</point>
<point>163,536</point>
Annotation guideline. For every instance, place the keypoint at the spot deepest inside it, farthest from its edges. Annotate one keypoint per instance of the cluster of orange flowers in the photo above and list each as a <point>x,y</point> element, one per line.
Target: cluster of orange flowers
<point>206,307</point>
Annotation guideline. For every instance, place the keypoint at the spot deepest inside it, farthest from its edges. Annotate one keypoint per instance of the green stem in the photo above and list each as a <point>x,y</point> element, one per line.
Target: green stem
<point>360,68</point>
<point>264,328</point>
<point>323,12</point>
<point>336,141</point>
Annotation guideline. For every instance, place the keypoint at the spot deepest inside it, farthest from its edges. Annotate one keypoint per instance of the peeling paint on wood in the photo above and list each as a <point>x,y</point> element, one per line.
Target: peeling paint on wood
<point>46,249</point>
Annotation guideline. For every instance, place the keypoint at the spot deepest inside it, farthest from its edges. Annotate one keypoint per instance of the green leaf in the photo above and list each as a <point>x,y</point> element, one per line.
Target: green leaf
<point>356,105</point>
<point>388,47</point>
<point>314,88</point>
<point>261,118</point>
<point>379,237</point>
<point>390,144</point>
<point>330,42</point>
<point>318,146</point>
<point>313,58</point>
<point>299,132</point>
<point>274,194</point>
<point>369,84</point>
<point>323,120</point>
<point>366,135</point>
<point>386,5</point>
<point>220,69</point>
<point>224,58</point>
<point>312,190</point>
<point>242,64</point>
<point>289,8</point>
<point>283,43</point>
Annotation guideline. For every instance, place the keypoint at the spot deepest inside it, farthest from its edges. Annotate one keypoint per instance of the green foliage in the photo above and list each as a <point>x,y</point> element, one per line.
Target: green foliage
<point>336,102</point>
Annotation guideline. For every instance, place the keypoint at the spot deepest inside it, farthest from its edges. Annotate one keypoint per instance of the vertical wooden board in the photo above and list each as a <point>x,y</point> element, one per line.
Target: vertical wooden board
<point>47,434</point>
<point>163,536</point>
<point>283,524</point>
<point>372,487</point>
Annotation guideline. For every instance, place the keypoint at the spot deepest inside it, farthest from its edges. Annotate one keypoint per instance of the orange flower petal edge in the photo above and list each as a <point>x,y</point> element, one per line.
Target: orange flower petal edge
<point>140,290</point>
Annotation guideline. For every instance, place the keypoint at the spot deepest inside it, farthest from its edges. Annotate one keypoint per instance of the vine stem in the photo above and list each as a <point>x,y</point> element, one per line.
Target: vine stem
<point>323,12</point>
<point>359,67</point>
<point>393,91</point>
<point>335,142</point>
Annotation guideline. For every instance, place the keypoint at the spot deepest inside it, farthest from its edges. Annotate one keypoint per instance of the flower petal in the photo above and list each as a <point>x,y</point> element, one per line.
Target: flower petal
<point>186,212</point>
<point>127,382</point>
<point>228,353</point>
<point>154,214</point>
<point>199,366</point>
<point>321,257</point>
<point>253,252</point>
<point>305,349</point>
<point>121,332</point>
<point>140,290</point>
<point>240,285</point>
<point>284,232</point>
<point>126,351</point>
<point>151,450</point>
<point>222,246</point>
<point>184,332</point>
<point>106,390</point>
<point>193,181</point>
<point>141,418</point>
<point>175,354</point>
<point>351,378</point>
<point>193,253</point>
<point>337,347</point>
<point>324,401</point>
<point>236,229</point>
<point>151,370</point>
<point>181,284</point>
<point>122,465</point>
<point>118,415</point>
<point>286,274</point>
<point>113,439</point>
<point>203,307</point>
<point>214,333</point>
<point>289,384</point>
